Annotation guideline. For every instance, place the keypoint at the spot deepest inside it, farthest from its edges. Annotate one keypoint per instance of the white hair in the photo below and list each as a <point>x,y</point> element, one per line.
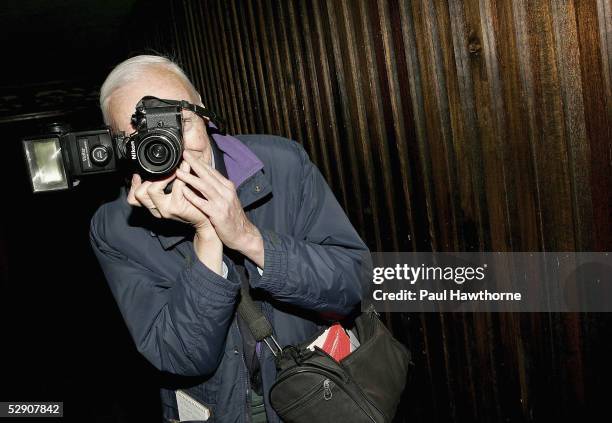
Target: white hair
<point>130,70</point>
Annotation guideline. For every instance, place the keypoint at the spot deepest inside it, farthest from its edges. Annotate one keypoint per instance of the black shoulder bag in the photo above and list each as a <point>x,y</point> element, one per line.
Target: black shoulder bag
<point>311,386</point>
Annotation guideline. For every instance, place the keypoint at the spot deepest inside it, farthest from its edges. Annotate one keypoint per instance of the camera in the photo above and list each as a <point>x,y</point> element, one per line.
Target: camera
<point>58,157</point>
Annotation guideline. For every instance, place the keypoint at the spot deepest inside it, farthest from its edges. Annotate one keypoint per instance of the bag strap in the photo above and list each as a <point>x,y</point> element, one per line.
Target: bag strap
<point>258,324</point>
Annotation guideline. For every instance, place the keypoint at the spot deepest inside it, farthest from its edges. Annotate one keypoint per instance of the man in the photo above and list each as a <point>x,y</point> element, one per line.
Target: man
<point>246,209</point>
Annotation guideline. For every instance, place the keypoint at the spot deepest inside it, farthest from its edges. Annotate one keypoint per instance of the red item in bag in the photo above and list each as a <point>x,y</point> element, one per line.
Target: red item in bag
<point>337,343</point>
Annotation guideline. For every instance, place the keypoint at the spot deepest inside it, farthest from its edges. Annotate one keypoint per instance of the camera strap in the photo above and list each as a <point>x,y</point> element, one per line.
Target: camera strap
<point>202,111</point>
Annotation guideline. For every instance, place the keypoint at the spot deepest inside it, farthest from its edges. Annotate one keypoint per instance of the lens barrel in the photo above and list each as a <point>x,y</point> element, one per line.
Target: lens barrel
<point>159,151</point>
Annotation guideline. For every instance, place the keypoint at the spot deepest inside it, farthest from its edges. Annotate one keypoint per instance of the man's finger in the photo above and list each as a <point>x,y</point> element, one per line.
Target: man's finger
<point>223,185</point>
<point>145,200</point>
<point>202,185</point>
<point>199,202</point>
<point>196,165</point>
<point>141,195</point>
<point>222,179</point>
<point>202,170</point>
<point>136,182</point>
<point>156,189</point>
<point>177,187</point>
<point>155,212</point>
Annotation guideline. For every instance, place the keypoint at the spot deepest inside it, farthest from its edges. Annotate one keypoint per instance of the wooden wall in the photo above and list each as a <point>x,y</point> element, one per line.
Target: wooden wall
<point>444,126</point>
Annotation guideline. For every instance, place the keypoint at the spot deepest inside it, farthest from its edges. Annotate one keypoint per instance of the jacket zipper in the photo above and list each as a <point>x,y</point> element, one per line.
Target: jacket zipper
<point>246,381</point>
<point>333,377</point>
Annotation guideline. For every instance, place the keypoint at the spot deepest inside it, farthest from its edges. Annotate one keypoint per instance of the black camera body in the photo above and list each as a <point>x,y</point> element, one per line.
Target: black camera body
<point>156,147</point>
<point>58,158</point>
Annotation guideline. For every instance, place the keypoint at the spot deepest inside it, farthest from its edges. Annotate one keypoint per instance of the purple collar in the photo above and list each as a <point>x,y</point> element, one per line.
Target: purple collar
<point>240,162</point>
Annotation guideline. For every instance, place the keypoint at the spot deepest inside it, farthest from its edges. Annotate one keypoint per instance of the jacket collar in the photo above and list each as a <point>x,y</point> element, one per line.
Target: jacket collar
<point>239,164</point>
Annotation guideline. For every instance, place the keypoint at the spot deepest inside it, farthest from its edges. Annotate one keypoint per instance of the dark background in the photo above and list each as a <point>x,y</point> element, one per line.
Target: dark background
<point>63,338</point>
<point>441,126</point>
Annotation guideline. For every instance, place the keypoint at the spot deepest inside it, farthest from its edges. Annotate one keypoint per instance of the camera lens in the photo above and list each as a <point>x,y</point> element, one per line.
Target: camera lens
<point>157,153</point>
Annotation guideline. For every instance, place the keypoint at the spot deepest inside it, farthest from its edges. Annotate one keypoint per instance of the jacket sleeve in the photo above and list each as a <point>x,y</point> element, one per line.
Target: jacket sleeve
<point>320,266</point>
<point>179,326</point>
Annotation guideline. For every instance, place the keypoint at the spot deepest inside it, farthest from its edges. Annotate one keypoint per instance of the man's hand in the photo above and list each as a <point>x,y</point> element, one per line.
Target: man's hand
<point>176,206</point>
<point>168,206</point>
<point>223,208</point>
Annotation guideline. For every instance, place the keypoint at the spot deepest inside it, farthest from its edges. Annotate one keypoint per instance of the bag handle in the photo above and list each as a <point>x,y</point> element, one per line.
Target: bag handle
<point>258,324</point>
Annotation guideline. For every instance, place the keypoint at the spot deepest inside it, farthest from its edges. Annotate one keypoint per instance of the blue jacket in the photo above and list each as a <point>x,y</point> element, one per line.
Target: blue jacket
<point>182,316</point>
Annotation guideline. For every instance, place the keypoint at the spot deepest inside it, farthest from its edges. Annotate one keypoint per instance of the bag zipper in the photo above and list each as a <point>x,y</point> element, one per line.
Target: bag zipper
<point>303,398</point>
<point>333,377</point>
<point>363,396</point>
<point>327,392</point>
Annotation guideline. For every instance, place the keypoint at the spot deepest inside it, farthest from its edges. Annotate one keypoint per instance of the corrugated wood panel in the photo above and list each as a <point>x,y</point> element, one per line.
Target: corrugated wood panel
<point>445,126</point>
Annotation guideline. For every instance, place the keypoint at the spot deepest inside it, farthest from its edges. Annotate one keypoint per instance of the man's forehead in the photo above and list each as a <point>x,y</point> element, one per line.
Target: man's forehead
<point>122,105</point>
<point>130,96</point>
<point>166,86</point>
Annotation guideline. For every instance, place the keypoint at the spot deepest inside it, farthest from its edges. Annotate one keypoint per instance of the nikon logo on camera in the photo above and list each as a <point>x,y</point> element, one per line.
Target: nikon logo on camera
<point>133,150</point>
